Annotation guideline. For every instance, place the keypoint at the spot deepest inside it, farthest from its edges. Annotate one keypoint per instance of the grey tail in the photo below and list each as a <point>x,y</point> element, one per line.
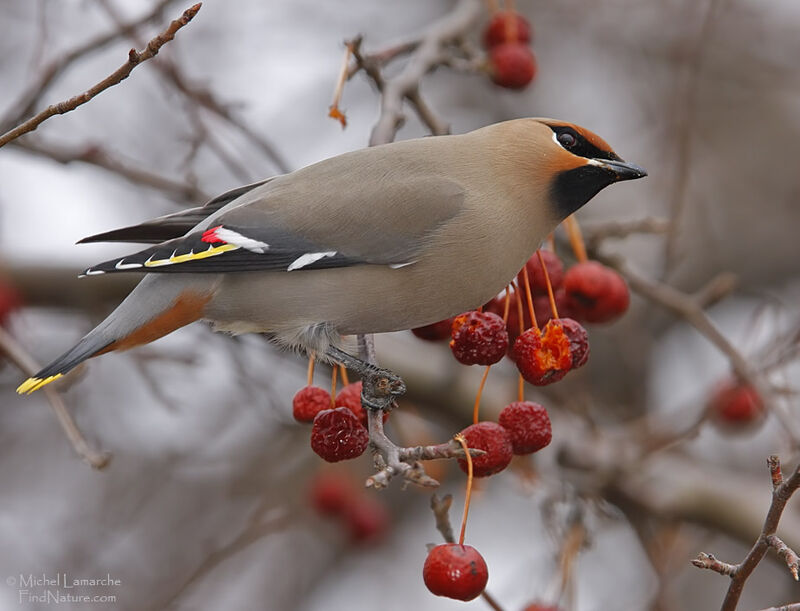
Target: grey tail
<point>92,344</point>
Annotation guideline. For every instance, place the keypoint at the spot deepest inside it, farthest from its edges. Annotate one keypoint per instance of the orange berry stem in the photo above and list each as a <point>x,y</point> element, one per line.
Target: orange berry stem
<point>310,369</point>
<point>576,238</point>
<point>553,307</point>
<point>478,395</point>
<point>520,388</point>
<point>527,282</point>
<point>345,378</point>
<point>491,6</point>
<point>507,303</point>
<point>460,439</point>
<point>551,242</point>
<point>334,371</point>
<point>333,110</point>
<point>520,313</point>
<point>511,25</point>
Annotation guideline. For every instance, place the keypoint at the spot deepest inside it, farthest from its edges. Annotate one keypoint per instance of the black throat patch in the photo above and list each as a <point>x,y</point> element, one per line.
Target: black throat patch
<point>573,188</point>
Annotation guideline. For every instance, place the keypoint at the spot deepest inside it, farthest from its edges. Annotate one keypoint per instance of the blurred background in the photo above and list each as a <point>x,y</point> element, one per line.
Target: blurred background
<point>205,503</point>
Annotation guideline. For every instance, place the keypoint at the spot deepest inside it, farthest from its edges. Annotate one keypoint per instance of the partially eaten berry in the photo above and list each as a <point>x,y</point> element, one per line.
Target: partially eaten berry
<point>495,441</point>
<point>528,426</point>
<point>455,571</point>
<point>578,340</point>
<point>338,435</point>
<point>478,338</point>
<point>543,357</point>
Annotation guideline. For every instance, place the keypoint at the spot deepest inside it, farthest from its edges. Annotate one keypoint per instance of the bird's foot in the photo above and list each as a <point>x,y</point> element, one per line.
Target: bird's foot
<point>380,389</point>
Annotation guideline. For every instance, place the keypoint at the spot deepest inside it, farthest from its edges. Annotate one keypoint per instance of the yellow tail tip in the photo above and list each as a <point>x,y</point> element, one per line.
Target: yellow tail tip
<point>31,384</point>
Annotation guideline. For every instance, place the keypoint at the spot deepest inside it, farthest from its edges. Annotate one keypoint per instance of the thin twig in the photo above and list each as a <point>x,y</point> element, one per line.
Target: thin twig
<point>101,158</point>
<point>598,232</point>
<point>27,102</point>
<point>426,56</point>
<point>134,59</point>
<point>692,311</point>
<point>17,355</point>
<point>205,98</point>
<point>441,511</point>
<point>740,572</point>
<point>694,63</point>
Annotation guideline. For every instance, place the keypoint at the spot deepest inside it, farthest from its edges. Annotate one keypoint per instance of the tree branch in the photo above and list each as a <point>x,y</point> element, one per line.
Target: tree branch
<point>782,491</point>
<point>24,106</point>
<point>424,56</point>
<point>134,59</point>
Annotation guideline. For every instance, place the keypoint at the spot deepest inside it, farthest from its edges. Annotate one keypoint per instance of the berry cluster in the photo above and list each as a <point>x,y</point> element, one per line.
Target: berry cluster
<point>587,292</point>
<point>364,517</point>
<point>523,427</point>
<point>459,571</point>
<point>507,39</point>
<point>339,427</point>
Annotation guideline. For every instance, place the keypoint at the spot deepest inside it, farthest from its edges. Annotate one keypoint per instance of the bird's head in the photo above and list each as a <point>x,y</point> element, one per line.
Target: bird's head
<point>578,164</point>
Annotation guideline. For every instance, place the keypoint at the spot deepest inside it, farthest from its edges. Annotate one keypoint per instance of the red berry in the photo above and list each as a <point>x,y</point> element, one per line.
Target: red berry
<point>543,310</point>
<point>310,401</point>
<point>350,397</point>
<point>497,306</point>
<point>331,493</point>
<point>338,435</point>
<point>596,293</point>
<point>528,426</point>
<point>456,571</point>
<point>496,442</point>
<point>506,26</point>
<point>479,338</point>
<point>434,332</point>
<point>512,65</point>
<point>367,520</point>
<point>10,300</point>
<point>536,278</point>
<point>734,405</point>
<point>543,358</point>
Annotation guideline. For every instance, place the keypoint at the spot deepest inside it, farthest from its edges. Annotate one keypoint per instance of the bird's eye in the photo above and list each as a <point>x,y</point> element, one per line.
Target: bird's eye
<point>567,140</point>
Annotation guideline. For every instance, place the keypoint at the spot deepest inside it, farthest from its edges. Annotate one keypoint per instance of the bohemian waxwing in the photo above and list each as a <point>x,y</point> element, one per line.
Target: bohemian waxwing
<point>381,239</point>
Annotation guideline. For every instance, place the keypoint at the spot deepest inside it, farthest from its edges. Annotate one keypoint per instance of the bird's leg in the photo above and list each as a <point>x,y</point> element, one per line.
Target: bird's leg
<point>380,388</point>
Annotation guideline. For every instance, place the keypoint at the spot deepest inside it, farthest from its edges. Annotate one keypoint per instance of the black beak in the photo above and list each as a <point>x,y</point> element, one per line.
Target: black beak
<point>622,170</point>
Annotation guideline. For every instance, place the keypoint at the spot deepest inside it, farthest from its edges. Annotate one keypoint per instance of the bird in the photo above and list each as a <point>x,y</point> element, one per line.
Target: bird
<point>381,239</point>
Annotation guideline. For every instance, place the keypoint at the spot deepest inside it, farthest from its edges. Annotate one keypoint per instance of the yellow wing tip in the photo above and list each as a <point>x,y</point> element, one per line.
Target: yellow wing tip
<point>32,384</point>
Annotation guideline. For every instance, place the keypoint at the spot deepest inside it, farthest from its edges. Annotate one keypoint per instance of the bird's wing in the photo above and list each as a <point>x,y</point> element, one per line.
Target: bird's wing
<point>293,226</point>
<point>170,226</point>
